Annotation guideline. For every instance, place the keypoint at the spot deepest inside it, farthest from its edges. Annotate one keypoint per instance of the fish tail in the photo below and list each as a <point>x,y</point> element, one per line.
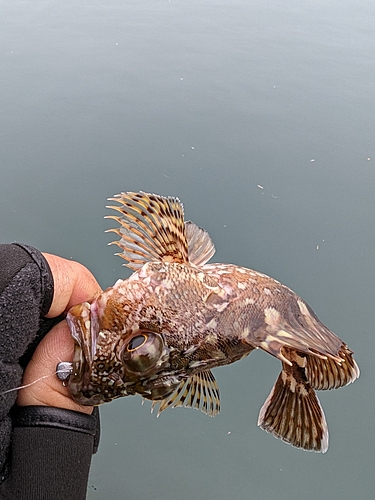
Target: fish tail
<point>324,374</point>
<point>292,412</point>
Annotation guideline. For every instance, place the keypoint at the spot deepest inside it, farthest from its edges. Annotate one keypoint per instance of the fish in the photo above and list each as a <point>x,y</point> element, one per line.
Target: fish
<point>160,332</point>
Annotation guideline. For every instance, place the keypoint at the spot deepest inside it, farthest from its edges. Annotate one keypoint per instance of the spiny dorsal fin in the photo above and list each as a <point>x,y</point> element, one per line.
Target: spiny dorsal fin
<point>200,246</point>
<point>199,391</point>
<point>151,228</point>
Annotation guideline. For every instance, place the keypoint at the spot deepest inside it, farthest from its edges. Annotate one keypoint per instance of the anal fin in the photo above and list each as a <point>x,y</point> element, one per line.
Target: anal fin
<point>199,391</point>
<point>292,412</point>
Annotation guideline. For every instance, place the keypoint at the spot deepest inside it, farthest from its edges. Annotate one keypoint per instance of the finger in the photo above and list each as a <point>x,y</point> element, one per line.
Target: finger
<point>56,346</point>
<point>73,284</point>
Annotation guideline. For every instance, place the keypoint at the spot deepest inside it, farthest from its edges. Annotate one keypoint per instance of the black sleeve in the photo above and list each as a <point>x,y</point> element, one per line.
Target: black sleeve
<point>51,454</point>
<point>51,447</point>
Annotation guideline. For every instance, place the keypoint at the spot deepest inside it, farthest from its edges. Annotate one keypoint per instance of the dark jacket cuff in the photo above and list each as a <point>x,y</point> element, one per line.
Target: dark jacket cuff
<point>60,418</point>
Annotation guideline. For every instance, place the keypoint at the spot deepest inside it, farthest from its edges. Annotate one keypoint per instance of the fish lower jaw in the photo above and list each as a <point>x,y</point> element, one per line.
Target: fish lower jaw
<point>92,396</point>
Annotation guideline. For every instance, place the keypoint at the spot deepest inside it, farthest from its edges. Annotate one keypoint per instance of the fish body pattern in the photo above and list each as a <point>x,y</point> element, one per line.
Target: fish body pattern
<point>161,331</point>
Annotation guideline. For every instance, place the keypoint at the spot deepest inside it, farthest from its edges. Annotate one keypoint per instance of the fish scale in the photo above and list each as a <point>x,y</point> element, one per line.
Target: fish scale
<point>159,333</point>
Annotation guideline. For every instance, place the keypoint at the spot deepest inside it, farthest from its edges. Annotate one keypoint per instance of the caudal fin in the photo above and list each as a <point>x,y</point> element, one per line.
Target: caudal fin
<point>292,412</point>
<point>327,373</point>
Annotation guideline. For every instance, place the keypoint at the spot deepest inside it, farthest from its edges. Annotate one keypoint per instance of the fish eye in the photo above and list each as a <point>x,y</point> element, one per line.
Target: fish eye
<point>136,342</point>
<point>142,352</point>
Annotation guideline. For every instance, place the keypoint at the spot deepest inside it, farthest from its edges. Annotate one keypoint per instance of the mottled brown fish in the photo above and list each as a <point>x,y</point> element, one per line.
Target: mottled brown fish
<point>161,331</point>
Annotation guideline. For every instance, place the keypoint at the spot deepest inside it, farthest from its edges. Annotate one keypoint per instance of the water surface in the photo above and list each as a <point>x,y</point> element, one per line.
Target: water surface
<point>260,116</point>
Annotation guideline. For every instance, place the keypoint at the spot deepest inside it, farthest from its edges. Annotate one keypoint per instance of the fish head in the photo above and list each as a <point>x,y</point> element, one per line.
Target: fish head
<point>138,336</point>
<point>127,340</point>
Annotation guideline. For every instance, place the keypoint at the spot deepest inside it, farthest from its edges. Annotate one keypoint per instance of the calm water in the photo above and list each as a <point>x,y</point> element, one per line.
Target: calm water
<point>260,116</point>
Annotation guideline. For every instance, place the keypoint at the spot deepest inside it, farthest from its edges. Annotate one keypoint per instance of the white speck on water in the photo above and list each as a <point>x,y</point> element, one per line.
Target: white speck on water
<point>368,159</point>
<point>318,246</point>
<point>192,147</point>
<point>260,187</point>
<point>312,159</point>
<point>229,432</point>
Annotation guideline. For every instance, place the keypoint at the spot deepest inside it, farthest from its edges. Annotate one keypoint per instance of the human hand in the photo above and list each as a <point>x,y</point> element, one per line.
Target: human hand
<point>73,284</point>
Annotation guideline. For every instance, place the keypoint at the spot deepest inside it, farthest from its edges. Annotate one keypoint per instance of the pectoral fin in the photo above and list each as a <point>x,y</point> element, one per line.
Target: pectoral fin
<point>199,391</point>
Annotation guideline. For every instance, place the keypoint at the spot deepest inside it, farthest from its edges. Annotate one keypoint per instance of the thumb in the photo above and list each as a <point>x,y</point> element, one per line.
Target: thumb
<point>73,284</point>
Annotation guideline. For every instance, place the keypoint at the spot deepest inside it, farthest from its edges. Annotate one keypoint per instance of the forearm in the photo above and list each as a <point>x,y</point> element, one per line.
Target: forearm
<point>50,454</point>
<point>51,448</point>
<point>26,292</point>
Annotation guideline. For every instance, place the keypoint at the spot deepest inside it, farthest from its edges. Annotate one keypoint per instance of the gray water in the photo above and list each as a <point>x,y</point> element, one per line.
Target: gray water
<point>260,116</point>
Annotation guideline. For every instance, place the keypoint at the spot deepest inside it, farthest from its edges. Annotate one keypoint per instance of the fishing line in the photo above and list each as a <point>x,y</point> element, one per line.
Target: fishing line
<point>31,383</point>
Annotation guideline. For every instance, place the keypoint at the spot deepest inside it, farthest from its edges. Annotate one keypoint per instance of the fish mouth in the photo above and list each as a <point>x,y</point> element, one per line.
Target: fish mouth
<point>84,329</point>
